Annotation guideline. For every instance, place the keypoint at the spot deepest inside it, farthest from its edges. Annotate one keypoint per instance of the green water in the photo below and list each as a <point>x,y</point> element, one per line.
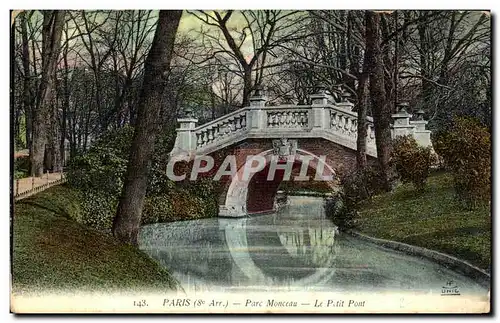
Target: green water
<point>295,249</point>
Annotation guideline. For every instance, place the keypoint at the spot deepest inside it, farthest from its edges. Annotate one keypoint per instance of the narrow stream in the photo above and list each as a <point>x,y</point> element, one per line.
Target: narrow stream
<point>295,249</point>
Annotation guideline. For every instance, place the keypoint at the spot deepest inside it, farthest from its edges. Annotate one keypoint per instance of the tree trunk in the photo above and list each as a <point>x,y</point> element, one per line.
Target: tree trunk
<point>247,86</point>
<point>387,62</point>
<point>27,82</point>
<point>381,110</point>
<point>343,44</point>
<point>53,22</point>
<point>153,96</point>
<point>65,107</point>
<point>424,66</point>
<point>353,52</point>
<point>212,102</point>
<point>362,112</point>
<point>55,138</point>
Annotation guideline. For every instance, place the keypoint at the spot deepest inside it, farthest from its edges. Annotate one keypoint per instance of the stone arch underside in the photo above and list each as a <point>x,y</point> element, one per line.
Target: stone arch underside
<point>256,194</point>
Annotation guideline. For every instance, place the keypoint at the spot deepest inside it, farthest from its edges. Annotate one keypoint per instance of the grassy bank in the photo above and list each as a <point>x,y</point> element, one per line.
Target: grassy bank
<point>432,219</point>
<point>52,251</point>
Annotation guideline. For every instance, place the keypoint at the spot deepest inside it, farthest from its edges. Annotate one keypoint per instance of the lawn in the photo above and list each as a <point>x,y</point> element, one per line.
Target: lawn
<point>431,219</point>
<point>51,251</point>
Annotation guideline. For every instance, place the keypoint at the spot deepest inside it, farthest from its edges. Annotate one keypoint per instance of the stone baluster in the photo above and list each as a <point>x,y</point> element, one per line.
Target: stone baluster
<point>354,128</point>
<point>295,117</point>
<point>333,119</point>
<point>243,121</point>
<point>237,121</point>
<point>340,123</point>
<point>216,131</point>
<point>210,134</point>
<point>225,128</point>
<point>347,126</point>
<point>282,119</point>
<point>205,137</point>
<point>288,118</point>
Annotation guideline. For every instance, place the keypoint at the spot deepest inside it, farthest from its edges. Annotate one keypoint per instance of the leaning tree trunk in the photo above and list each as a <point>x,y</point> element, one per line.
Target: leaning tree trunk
<point>53,21</point>
<point>153,96</point>
<point>380,107</point>
<point>362,112</point>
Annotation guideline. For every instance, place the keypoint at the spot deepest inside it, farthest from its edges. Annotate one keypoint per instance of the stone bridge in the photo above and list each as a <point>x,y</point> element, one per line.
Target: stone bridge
<point>314,142</point>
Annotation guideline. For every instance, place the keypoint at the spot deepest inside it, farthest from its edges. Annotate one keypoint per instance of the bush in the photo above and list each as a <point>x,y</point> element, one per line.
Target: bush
<point>341,212</point>
<point>20,174</point>
<point>21,167</point>
<point>101,170</point>
<point>361,184</point>
<point>99,176</point>
<point>466,150</point>
<point>119,140</point>
<point>98,210</point>
<point>178,205</point>
<point>357,186</point>
<point>157,209</point>
<point>412,161</point>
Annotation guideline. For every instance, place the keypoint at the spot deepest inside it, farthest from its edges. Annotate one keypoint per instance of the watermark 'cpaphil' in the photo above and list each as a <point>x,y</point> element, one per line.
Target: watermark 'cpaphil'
<point>203,164</point>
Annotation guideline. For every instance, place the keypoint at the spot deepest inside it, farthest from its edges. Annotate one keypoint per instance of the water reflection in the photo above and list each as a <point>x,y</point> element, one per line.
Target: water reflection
<point>296,248</point>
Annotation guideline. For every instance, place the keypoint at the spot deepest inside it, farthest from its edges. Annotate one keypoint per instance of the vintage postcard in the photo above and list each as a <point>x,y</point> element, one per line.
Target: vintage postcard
<point>251,161</point>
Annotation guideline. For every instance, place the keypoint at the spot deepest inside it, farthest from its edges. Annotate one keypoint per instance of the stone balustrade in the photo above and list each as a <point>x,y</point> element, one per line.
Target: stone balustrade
<point>322,119</point>
<point>221,128</point>
<point>287,118</point>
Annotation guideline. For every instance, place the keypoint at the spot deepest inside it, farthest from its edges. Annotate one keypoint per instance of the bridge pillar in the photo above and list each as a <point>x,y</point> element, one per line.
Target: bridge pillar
<point>185,141</point>
<point>402,126</point>
<point>345,104</point>
<point>320,119</point>
<point>255,114</point>
<point>421,135</point>
<point>415,128</point>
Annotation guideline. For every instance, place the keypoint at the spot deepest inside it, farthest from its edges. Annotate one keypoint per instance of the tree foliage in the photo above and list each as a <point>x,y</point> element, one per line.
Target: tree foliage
<point>412,161</point>
<point>466,149</point>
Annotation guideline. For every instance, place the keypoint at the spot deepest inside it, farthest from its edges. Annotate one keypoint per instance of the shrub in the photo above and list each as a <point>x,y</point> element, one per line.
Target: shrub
<point>361,184</point>
<point>157,209</point>
<point>21,167</point>
<point>101,169</point>
<point>119,140</point>
<point>179,204</point>
<point>412,161</point>
<point>357,186</point>
<point>99,176</point>
<point>206,190</point>
<point>98,210</point>
<point>341,212</point>
<point>466,150</point>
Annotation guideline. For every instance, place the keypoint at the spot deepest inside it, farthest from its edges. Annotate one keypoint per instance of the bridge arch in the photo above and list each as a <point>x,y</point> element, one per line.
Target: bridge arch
<point>242,192</point>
